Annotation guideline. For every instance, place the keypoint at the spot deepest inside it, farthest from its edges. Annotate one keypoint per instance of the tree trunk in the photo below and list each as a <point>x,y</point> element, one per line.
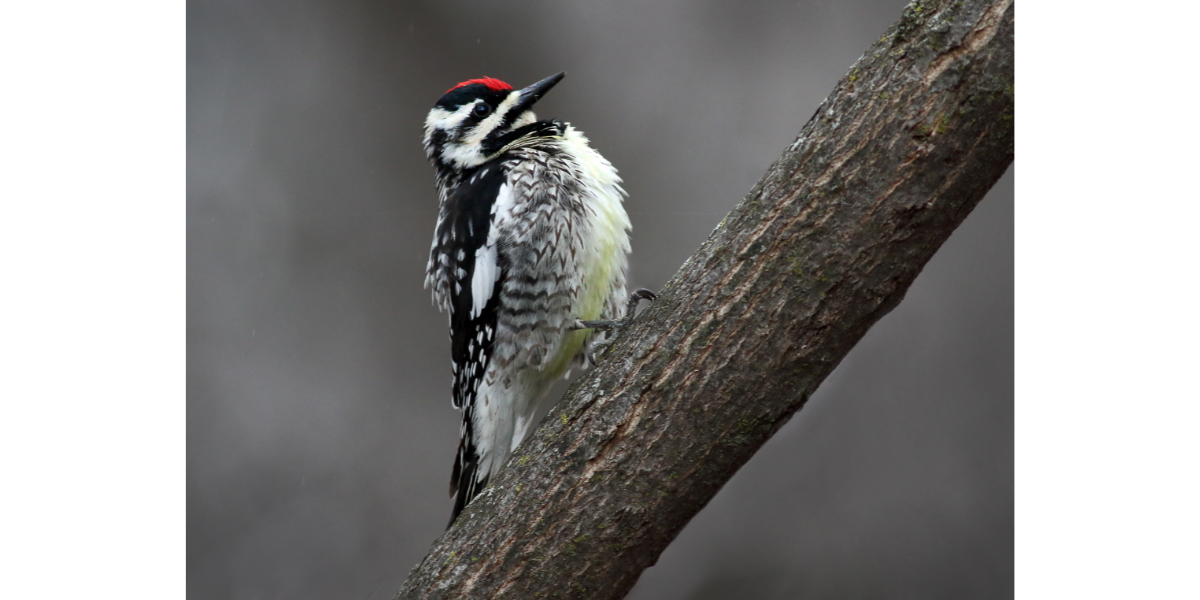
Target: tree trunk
<point>825,245</point>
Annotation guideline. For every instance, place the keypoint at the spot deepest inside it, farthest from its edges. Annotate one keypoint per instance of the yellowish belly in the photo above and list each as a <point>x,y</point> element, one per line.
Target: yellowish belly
<point>589,305</point>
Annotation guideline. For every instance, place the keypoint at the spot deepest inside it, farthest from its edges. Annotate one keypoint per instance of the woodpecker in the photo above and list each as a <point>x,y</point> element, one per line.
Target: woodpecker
<point>528,258</point>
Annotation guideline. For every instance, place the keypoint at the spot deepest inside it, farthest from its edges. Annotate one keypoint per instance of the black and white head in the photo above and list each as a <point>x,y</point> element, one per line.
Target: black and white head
<point>476,119</point>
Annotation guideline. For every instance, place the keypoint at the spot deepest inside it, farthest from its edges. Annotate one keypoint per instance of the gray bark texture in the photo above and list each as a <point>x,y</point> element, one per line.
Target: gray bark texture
<point>826,244</point>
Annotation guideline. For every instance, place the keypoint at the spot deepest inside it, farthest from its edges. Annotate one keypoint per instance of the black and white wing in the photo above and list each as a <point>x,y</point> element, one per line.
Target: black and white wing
<point>467,271</point>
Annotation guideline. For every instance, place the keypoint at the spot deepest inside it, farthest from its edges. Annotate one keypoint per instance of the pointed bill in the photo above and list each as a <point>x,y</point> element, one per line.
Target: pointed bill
<point>533,93</point>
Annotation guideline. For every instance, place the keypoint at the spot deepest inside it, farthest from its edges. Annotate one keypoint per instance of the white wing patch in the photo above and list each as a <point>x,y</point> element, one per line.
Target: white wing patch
<point>484,279</point>
<point>487,269</point>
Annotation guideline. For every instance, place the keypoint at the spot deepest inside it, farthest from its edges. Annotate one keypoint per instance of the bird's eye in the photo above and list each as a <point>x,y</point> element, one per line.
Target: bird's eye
<point>481,110</point>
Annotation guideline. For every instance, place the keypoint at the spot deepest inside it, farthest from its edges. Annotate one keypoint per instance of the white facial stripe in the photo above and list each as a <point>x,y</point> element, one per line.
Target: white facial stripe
<point>493,121</point>
<point>444,120</point>
<point>526,118</point>
<point>440,118</point>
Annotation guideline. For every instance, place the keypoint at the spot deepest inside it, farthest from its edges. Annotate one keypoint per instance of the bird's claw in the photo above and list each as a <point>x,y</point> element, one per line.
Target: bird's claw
<point>614,326</point>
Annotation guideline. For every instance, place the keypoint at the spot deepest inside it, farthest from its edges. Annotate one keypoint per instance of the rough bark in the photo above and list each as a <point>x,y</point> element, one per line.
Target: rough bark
<point>824,245</point>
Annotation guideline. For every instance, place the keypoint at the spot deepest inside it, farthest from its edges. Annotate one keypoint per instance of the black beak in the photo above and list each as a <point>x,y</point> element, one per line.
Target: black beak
<point>535,92</point>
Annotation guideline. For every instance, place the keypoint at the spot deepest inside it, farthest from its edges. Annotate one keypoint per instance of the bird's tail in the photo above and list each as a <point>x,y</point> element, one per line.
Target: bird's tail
<point>465,481</point>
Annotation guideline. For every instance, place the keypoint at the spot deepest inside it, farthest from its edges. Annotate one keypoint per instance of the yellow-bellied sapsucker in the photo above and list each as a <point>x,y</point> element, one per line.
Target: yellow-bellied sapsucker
<point>530,247</point>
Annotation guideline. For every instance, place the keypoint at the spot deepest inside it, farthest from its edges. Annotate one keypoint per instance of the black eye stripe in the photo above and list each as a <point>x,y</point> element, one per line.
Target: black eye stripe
<point>481,110</point>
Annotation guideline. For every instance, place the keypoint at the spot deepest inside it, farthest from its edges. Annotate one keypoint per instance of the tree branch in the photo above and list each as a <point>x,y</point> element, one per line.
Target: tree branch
<point>825,245</point>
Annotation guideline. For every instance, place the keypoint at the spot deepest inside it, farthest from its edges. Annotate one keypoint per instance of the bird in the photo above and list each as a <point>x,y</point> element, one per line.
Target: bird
<point>529,260</point>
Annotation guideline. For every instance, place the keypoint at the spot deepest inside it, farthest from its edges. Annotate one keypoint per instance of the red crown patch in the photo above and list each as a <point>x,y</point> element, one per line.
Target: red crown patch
<point>492,84</point>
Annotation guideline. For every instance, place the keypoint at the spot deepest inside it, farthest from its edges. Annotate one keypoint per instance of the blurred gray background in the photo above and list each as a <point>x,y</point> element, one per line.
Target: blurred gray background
<point>320,432</point>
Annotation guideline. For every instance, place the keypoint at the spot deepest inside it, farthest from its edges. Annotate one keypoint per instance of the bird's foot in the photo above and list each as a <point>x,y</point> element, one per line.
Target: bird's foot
<point>614,327</point>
